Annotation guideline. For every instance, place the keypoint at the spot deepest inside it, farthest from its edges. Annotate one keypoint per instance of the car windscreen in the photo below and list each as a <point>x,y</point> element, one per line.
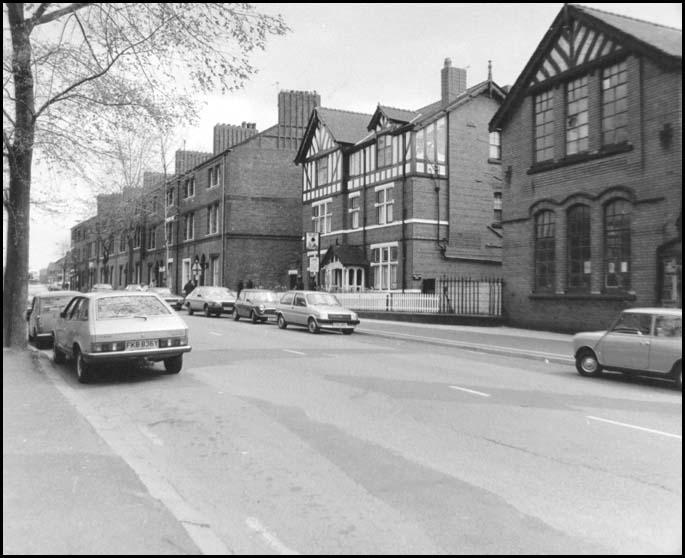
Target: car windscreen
<point>216,293</point>
<point>109,308</point>
<point>322,299</point>
<point>55,302</point>
<point>263,297</point>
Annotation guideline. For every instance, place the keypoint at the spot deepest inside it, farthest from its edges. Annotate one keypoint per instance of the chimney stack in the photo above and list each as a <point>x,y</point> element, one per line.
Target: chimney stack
<point>453,82</point>
<point>294,109</point>
<point>226,135</point>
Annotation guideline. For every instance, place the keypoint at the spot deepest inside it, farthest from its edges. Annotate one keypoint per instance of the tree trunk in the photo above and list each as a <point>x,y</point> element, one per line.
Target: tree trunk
<point>17,205</point>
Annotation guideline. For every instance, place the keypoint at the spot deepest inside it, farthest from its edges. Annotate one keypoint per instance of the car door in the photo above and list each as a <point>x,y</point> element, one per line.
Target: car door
<point>240,303</point>
<point>666,343</point>
<point>627,344</point>
<point>62,322</point>
<point>299,310</point>
<point>80,326</point>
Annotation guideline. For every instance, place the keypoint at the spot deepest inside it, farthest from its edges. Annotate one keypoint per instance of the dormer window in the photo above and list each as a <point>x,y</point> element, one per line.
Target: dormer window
<point>384,151</point>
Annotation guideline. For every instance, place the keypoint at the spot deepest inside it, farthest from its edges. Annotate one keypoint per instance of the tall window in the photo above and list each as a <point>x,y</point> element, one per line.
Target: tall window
<point>384,151</point>
<point>137,236</point>
<point>544,251</point>
<point>169,232</point>
<point>354,211</point>
<point>322,171</point>
<point>614,104</point>
<point>213,219</point>
<point>431,141</point>
<point>617,244</point>
<point>188,226</point>
<point>189,188</point>
<point>495,146</point>
<point>579,251</point>
<point>384,267</point>
<point>384,205</point>
<point>544,126</point>
<point>322,216</point>
<point>577,125</point>
<point>152,238</point>
<point>497,207</point>
<point>213,176</point>
<point>170,197</point>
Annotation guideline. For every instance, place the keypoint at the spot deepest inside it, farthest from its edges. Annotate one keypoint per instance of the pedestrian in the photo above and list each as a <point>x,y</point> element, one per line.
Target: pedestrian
<point>240,287</point>
<point>189,286</point>
<point>300,283</point>
<point>250,284</point>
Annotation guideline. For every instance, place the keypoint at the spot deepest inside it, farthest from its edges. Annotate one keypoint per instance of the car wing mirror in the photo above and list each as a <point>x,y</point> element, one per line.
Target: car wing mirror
<point>63,314</point>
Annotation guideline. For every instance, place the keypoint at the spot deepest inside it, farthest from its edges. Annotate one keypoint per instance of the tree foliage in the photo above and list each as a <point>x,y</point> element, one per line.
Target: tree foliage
<point>73,73</point>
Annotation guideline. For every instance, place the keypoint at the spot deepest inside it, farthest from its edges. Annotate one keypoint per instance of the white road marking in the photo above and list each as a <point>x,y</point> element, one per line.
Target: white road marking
<point>156,440</point>
<point>466,344</point>
<point>679,437</point>
<point>294,352</point>
<point>215,333</point>
<point>471,391</point>
<point>254,524</point>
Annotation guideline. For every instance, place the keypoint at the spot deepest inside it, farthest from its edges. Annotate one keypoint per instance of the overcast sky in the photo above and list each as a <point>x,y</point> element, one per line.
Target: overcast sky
<point>357,55</point>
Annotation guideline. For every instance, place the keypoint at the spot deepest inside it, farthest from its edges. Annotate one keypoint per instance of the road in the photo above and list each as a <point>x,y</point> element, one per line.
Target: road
<point>280,442</point>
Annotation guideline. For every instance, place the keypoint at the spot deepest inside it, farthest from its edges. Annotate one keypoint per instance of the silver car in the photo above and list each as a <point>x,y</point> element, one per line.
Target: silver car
<point>645,341</point>
<point>44,312</point>
<point>210,301</point>
<point>315,310</point>
<point>119,326</point>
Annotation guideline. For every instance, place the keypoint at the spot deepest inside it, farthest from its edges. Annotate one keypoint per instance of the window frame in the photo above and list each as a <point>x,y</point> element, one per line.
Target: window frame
<point>617,244</point>
<point>544,251</point>
<point>579,248</point>
<point>385,206</point>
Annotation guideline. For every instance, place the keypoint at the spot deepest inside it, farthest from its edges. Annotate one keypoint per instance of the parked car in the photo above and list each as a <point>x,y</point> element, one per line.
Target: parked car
<point>174,300</point>
<point>34,289</point>
<point>315,310</point>
<point>257,304</point>
<point>644,341</point>
<point>43,314</point>
<point>119,326</point>
<point>135,287</point>
<point>98,287</point>
<point>210,300</point>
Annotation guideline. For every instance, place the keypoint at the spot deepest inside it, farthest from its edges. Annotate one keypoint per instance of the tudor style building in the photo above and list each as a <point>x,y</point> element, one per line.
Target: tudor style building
<point>395,199</point>
<point>592,159</point>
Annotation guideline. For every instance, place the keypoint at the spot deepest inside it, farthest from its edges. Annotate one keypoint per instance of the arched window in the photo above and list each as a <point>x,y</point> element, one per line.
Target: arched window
<point>579,248</point>
<point>617,244</point>
<point>544,251</point>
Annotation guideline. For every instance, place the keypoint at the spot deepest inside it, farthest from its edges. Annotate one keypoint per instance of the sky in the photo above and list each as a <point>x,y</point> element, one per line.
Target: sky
<point>358,55</point>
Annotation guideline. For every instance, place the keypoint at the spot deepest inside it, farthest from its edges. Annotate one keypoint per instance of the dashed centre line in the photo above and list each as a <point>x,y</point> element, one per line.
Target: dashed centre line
<point>650,430</point>
<point>294,352</point>
<point>470,391</point>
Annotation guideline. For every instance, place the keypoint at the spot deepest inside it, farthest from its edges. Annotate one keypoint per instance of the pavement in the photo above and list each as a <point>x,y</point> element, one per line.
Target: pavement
<point>57,471</point>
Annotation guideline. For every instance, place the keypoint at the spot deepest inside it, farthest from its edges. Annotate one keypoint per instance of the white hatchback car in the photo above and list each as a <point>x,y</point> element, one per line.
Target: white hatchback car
<point>644,341</point>
<point>119,326</point>
<point>315,310</point>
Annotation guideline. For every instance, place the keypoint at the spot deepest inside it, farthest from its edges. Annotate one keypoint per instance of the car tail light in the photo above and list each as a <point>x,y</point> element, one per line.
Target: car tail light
<point>173,342</point>
<point>107,347</point>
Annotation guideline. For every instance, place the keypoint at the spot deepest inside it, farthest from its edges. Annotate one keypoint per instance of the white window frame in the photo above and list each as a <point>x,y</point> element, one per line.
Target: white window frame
<point>384,268</point>
<point>384,207</point>
<point>355,212</point>
<point>322,218</point>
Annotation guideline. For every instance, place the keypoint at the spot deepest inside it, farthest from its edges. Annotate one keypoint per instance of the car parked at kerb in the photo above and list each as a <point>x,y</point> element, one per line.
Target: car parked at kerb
<point>210,300</point>
<point>641,341</point>
<point>119,326</point>
<point>43,314</point>
<point>315,310</point>
<point>174,300</point>
<point>259,305</point>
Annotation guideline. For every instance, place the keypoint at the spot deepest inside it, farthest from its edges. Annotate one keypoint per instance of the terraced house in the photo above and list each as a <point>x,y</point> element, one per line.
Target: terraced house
<point>396,198</point>
<point>592,158</point>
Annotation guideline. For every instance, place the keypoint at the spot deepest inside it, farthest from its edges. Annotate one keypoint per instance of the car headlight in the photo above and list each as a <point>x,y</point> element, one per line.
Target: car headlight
<point>323,316</point>
<point>354,316</point>
<point>261,308</point>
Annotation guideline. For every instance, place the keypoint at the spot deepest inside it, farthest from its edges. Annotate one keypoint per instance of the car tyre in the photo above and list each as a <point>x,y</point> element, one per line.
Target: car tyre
<point>83,369</point>
<point>678,375</point>
<point>254,317</point>
<point>347,331</point>
<point>282,324</point>
<point>236,315</point>
<point>58,356</point>
<point>587,363</point>
<point>173,365</point>
<point>190,310</point>
<point>312,326</point>
<point>207,312</point>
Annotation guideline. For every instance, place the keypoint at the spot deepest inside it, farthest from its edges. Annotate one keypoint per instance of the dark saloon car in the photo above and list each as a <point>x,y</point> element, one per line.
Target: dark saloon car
<point>259,305</point>
<point>174,300</point>
<point>210,301</point>
<point>119,326</point>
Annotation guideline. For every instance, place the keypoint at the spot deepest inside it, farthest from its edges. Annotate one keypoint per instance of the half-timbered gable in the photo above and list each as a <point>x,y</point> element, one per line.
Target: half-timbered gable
<point>592,152</point>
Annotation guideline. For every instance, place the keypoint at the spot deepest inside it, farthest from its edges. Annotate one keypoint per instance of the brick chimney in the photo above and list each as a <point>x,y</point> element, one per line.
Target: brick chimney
<point>294,109</point>
<point>452,81</point>
<point>227,135</point>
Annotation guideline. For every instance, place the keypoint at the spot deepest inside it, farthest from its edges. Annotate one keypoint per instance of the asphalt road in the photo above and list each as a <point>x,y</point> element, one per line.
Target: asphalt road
<point>278,442</point>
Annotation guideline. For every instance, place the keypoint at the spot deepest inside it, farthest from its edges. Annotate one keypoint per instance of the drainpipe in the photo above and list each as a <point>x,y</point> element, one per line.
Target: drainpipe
<point>404,211</point>
<point>363,209</point>
<point>223,218</point>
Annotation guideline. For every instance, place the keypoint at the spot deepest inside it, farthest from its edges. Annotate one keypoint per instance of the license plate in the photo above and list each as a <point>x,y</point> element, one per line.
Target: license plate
<point>142,344</point>
<point>339,324</point>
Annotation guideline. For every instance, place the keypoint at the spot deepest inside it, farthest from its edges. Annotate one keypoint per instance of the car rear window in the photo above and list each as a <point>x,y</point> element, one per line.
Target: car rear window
<point>109,308</point>
<point>322,299</point>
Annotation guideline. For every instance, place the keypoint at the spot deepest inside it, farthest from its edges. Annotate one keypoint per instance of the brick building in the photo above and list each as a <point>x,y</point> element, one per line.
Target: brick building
<point>592,159</point>
<point>394,199</point>
<point>220,218</point>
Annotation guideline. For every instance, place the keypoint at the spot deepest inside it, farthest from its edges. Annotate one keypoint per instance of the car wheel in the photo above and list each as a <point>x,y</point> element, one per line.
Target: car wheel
<point>347,331</point>
<point>207,312</point>
<point>282,324</point>
<point>678,375</point>
<point>312,326</point>
<point>587,363</point>
<point>190,310</point>
<point>254,317</point>
<point>83,369</point>
<point>58,356</point>
<point>236,315</point>
<point>173,365</point>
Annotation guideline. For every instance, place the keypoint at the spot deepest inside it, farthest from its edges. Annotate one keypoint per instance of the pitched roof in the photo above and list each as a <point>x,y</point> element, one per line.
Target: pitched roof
<point>348,255</point>
<point>658,42</point>
<point>345,126</point>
